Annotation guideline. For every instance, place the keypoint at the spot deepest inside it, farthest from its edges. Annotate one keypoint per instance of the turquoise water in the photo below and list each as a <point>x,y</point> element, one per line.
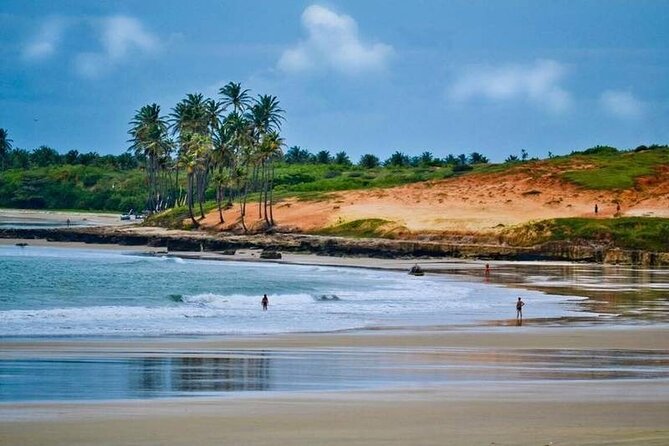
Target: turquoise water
<point>78,292</point>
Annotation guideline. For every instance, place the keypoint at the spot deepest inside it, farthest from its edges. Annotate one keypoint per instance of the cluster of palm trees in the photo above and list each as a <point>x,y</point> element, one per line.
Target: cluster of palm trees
<point>230,143</point>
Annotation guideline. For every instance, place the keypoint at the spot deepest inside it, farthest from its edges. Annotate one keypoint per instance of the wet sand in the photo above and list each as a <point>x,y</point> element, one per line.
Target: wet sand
<point>395,418</point>
<point>524,337</point>
<point>518,412</point>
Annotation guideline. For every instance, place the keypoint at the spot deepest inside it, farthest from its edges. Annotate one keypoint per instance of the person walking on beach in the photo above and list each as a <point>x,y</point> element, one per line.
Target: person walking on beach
<point>264,302</point>
<point>68,222</point>
<point>519,309</point>
<point>596,209</point>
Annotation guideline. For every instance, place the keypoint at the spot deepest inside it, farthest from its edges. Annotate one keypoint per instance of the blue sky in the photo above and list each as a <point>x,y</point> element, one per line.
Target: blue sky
<point>361,76</point>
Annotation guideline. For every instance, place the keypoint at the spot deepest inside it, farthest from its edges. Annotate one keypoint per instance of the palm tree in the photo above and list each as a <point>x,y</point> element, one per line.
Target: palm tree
<point>5,147</point>
<point>194,160</point>
<point>196,116</point>
<point>222,179</point>
<point>477,158</point>
<point>235,96</point>
<point>191,115</point>
<point>213,109</point>
<point>239,136</point>
<point>265,116</point>
<point>426,159</point>
<point>222,161</point>
<point>149,139</point>
<point>271,150</point>
<point>369,161</point>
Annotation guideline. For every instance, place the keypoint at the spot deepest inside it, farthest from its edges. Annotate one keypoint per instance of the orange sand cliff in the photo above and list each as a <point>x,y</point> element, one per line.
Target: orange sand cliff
<point>473,203</point>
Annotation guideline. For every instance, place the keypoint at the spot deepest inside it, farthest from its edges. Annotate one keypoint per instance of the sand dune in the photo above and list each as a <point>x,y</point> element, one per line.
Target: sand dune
<point>471,203</point>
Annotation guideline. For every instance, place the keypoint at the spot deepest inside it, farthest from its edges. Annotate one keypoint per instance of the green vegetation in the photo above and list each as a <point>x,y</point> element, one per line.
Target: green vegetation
<point>73,187</point>
<point>174,218</point>
<point>644,233</point>
<point>298,178</point>
<point>364,228</point>
<point>171,218</point>
<point>610,169</point>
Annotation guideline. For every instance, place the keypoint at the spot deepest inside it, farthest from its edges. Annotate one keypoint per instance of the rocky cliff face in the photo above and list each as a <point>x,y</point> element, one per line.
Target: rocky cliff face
<point>175,240</point>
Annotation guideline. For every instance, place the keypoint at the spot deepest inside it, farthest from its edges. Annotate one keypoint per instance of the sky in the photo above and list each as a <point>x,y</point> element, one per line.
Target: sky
<point>364,76</point>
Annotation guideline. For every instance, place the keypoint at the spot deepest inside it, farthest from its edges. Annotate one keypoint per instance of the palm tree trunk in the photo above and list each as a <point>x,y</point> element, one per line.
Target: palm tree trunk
<point>190,200</point>
<point>218,203</point>
<point>256,180</point>
<point>266,188</point>
<point>271,195</point>
<point>200,193</point>
<point>242,200</point>
<point>177,188</point>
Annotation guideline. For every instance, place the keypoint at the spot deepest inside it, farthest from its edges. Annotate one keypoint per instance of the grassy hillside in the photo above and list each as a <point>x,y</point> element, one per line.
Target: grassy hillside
<point>296,178</point>
<point>599,168</point>
<point>611,170</point>
<point>364,228</point>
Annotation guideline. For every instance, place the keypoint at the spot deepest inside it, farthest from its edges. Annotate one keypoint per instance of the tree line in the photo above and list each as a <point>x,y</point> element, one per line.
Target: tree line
<point>43,156</point>
<point>298,155</point>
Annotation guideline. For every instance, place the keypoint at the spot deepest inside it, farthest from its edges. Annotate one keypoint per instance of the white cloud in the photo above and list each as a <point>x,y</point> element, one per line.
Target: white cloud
<point>120,37</point>
<point>333,43</point>
<point>538,83</point>
<point>621,104</point>
<point>45,44</point>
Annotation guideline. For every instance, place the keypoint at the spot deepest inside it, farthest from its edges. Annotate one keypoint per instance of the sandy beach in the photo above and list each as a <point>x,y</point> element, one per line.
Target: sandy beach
<point>400,418</point>
<point>598,412</point>
<point>46,217</point>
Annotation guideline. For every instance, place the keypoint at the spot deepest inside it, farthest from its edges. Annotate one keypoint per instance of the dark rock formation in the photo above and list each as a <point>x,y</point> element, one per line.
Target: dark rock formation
<point>465,247</point>
<point>274,255</point>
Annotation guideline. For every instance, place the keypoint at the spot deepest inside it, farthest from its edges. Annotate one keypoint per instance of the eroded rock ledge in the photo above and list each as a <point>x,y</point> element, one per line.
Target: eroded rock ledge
<point>457,247</point>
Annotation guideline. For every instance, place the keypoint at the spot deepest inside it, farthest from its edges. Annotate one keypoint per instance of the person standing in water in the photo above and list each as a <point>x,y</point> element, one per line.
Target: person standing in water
<point>264,302</point>
<point>519,309</point>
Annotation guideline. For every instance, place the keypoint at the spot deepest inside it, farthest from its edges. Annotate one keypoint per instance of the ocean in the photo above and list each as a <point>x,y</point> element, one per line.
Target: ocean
<point>49,291</point>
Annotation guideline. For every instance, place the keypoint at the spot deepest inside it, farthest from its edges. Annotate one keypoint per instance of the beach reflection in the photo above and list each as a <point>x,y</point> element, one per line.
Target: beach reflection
<point>216,373</point>
<point>628,294</point>
<point>154,376</point>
